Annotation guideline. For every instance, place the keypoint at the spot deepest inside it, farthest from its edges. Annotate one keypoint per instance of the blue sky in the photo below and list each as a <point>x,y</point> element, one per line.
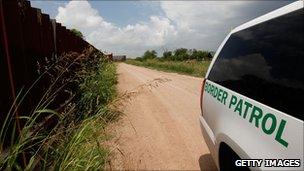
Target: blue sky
<point>132,27</point>
<point>121,13</point>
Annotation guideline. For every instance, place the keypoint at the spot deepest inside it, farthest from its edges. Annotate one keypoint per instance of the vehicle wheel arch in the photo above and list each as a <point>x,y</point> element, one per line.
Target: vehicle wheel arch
<point>224,141</point>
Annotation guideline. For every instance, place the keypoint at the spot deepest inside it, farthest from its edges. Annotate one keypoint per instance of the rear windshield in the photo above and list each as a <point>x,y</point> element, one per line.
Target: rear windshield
<point>266,63</point>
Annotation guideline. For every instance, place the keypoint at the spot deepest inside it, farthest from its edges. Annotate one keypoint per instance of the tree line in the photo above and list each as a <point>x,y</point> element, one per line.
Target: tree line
<point>180,54</point>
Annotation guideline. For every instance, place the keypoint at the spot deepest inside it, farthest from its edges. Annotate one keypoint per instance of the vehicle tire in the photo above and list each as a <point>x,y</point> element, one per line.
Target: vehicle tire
<point>227,158</point>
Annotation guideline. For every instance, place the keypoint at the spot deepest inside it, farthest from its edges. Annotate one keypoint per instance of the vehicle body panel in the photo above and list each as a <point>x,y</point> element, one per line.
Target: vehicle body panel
<point>220,123</point>
<point>243,137</point>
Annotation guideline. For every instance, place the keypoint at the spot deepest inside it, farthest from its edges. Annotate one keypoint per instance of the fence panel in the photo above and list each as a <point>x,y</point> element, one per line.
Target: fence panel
<point>29,41</point>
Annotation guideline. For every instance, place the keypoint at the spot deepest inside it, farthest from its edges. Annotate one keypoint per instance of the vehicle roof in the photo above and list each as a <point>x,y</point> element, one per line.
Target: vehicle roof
<point>273,14</point>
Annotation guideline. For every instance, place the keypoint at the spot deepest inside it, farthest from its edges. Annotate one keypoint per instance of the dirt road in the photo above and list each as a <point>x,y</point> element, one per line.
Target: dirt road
<point>160,129</point>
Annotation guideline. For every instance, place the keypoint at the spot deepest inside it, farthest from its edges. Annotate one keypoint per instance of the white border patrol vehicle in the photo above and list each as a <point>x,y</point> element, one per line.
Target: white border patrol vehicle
<point>252,98</point>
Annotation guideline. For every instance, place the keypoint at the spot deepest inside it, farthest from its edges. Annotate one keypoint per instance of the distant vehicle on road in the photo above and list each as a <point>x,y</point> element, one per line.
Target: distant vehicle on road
<point>252,98</point>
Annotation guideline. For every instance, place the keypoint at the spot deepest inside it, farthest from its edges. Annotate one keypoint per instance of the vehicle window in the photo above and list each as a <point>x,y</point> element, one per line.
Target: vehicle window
<point>266,63</point>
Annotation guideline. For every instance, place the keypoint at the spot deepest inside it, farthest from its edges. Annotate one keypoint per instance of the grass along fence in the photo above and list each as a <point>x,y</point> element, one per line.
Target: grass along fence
<point>30,42</point>
<point>68,135</point>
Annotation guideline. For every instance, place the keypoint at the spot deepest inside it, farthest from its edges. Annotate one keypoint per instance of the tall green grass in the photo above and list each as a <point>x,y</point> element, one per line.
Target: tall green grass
<point>97,89</point>
<point>193,68</point>
<point>83,148</point>
<point>75,141</point>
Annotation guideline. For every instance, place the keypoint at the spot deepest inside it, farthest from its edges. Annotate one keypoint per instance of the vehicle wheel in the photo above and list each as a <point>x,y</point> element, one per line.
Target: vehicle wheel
<point>227,158</point>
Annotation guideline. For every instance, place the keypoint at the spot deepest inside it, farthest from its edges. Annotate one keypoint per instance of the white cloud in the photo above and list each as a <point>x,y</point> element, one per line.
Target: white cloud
<point>132,39</point>
<point>190,24</point>
<point>202,24</point>
<point>81,15</point>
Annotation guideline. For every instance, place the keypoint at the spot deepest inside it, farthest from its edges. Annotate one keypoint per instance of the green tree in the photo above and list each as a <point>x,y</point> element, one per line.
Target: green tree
<point>149,54</point>
<point>139,59</point>
<point>199,55</point>
<point>77,33</point>
<point>181,54</point>
<point>167,55</point>
<point>210,55</point>
<point>192,53</point>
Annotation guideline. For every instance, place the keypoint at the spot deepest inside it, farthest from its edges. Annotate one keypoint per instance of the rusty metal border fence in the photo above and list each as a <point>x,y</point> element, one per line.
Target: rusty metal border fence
<point>29,40</point>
